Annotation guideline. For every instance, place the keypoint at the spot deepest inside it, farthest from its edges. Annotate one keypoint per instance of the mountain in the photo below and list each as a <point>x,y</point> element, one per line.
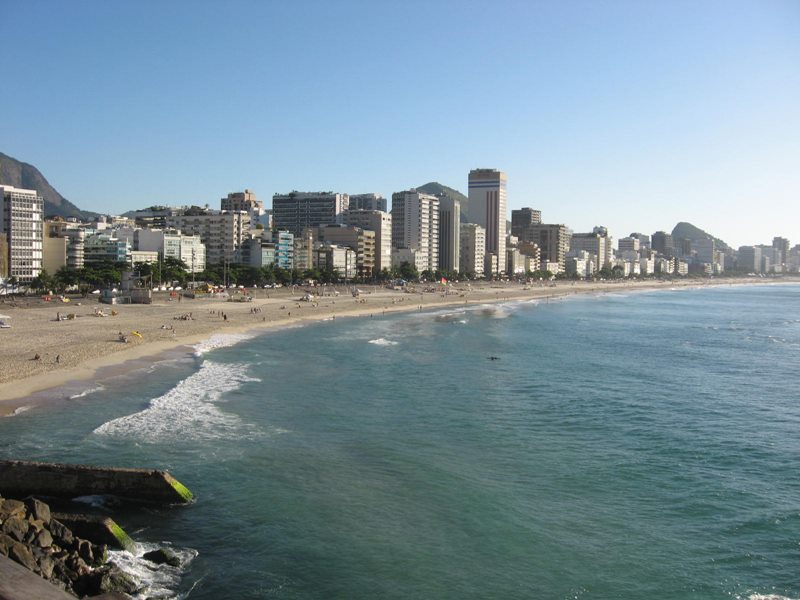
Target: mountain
<point>690,232</point>
<point>436,188</point>
<point>23,175</point>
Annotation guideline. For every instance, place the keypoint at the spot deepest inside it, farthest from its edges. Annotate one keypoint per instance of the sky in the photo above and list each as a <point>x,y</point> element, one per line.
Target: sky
<point>632,115</point>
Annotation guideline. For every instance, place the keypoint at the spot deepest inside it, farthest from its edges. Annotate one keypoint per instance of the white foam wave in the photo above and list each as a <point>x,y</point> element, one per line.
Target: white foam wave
<point>766,597</point>
<point>96,501</point>
<point>188,411</point>
<point>19,411</point>
<point>158,582</point>
<point>220,340</point>
<point>383,342</point>
<point>85,393</point>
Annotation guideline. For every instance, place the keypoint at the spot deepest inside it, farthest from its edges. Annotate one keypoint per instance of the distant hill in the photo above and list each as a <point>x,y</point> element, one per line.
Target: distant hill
<point>23,175</point>
<point>436,188</point>
<point>690,232</point>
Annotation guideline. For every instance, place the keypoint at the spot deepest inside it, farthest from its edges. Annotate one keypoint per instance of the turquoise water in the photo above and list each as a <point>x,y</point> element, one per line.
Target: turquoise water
<point>621,446</point>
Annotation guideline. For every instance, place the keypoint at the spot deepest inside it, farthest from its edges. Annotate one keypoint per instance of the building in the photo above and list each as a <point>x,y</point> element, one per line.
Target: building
<point>381,223</point>
<point>487,208</point>
<point>336,259</point>
<point>22,222</point>
<point>644,240</point>
<point>368,202</point>
<point>552,241</point>
<point>75,235</point>
<point>244,201</point>
<point>297,211</point>
<point>473,249</point>
<point>304,250</point>
<point>415,226</point>
<point>522,218</point>
<point>54,253</point>
<point>593,243</point>
<point>361,241</point>
<point>628,245</point>
<point>105,248</point>
<point>580,264</point>
<point>749,259</point>
<point>173,244</point>
<point>662,243</point>
<point>531,255</point>
<point>781,246</point>
<point>3,256</point>
<point>223,233</point>
<point>449,233</point>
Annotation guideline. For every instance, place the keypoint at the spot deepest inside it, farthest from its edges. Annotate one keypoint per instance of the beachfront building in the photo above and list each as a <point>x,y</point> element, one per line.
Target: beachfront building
<point>3,256</point>
<point>552,241</point>
<point>361,241</point>
<point>521,218</point>
<point>748,259</point>
<point>75,235</point>
<point>662,243</point>
<point>54,253</point>
<point>381,223</point>
<point>531,256</point>
<point>173,244</point>
<point>449,233</point>
<point>368,202</point>
<point>304,250</point>
<point>335,259</point>
<point>580,263</point>
<point>223,233</point>
<point>297,211</point>
<point>593,243</point>
<point>105,248</point>
<point>487,208</point>
<point>472,249</point>
<point>415,226</point>
<point>22,223</point>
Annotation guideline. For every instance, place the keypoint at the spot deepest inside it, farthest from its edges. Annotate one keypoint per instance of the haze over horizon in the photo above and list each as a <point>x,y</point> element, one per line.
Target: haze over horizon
<point>633,116</point>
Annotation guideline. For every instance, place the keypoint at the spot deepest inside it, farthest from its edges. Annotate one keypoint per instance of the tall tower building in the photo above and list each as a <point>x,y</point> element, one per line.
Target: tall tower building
<point>297,211</point>
<point>22,222</point>
<point>415,226</point>
<point>449,233</point>
<point>523,217</point>
<point>487,208</point>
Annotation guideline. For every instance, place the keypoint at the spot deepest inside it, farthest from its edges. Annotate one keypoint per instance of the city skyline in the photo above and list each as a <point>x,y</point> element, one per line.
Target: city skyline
<point>633,117</point>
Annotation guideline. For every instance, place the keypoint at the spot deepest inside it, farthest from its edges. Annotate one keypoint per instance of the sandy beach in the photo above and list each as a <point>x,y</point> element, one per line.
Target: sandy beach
<point>75,348</point>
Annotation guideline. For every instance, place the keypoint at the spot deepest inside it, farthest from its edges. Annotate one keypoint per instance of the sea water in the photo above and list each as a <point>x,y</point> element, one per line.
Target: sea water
<point>640,445</point>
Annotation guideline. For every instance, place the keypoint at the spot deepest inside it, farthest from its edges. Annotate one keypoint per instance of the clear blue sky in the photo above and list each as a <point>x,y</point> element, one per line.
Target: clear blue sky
<point>633,115</point>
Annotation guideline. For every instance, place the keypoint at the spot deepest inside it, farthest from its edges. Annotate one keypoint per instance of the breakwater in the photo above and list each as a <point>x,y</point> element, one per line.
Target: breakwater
<point>22,478</point>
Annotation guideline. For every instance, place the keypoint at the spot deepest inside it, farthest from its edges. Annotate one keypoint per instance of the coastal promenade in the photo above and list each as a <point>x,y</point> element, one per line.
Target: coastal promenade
<point>40,352</point>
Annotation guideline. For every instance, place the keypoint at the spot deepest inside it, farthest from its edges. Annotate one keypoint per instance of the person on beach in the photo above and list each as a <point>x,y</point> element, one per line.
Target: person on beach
<point>58,358</point>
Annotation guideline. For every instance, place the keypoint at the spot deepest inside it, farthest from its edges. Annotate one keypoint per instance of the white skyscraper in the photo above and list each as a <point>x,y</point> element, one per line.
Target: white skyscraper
<point>487,208</point>
<point>22,222</point>
<point>415,226</point>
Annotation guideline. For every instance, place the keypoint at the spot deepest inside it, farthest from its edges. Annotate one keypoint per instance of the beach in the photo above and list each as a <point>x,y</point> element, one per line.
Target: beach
<point>52,343</point>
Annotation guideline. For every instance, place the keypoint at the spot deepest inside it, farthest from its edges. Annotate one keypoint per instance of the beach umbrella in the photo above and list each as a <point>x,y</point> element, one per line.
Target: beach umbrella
<point>4,317</point>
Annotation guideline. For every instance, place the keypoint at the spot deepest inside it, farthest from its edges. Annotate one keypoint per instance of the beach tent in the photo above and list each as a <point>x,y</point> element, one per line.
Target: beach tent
<point>3,323</point>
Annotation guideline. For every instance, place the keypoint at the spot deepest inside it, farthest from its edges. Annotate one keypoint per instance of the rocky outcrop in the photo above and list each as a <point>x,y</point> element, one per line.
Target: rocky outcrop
<point>30,536</point>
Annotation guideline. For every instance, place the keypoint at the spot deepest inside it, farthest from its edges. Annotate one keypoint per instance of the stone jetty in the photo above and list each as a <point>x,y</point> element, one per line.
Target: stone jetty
<point>51,552</point>
<point>23,478</point>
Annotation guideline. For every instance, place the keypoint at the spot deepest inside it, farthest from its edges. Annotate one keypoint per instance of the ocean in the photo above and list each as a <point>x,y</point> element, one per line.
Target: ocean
<point>631,445</point>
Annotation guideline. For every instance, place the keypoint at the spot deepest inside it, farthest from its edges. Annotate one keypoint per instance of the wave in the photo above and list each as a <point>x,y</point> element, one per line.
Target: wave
<point>19,411</point>
<point>159,582</point>
<point>220,340</point>
<point>188,411</point>
<point>765,597</point>
<point>383,342</point>
<point>85,393</point>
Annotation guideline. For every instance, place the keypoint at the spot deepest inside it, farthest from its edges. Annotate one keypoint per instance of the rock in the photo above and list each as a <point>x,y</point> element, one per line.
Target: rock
<point>163,556</point>
<point>22,554</point>
<point>44,539</point>
<point>100,555</point>
<point>12,508</point>
<point>110,579</point>
<point>5,544</point>
<point>46,566</point>
<point>61,533</point>
<point>38,509</point>
<point>16,527</point>
<point>85,551</point>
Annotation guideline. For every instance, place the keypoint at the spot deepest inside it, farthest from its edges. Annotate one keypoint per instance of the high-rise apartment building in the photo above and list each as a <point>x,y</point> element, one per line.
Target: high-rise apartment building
<point>781,246</point>
<point>243,201</point>
<point>662,243</point>
<point>22,222</point>
<point>297,211</point>
<point>523,217</point>
<point>173,244</point>
<point>473,249</point>
<point>593,243</point>
<point>449,233</point>
<point>415,226</point>
<point>222,233</point>
<point>381,223</point>
<point>362,241</point>
<point>552,241</point>
<point>368,202</point>
<point>487,208</point>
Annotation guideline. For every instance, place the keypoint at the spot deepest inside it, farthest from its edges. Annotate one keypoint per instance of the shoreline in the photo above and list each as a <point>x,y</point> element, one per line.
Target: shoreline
<point>90,346</point>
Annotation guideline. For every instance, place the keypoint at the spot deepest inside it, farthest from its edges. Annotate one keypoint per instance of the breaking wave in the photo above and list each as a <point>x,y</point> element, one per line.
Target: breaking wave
<point>189,410</point>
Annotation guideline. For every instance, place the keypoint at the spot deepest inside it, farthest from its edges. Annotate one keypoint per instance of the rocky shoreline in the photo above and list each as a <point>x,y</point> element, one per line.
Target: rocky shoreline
<point>32,537</point>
